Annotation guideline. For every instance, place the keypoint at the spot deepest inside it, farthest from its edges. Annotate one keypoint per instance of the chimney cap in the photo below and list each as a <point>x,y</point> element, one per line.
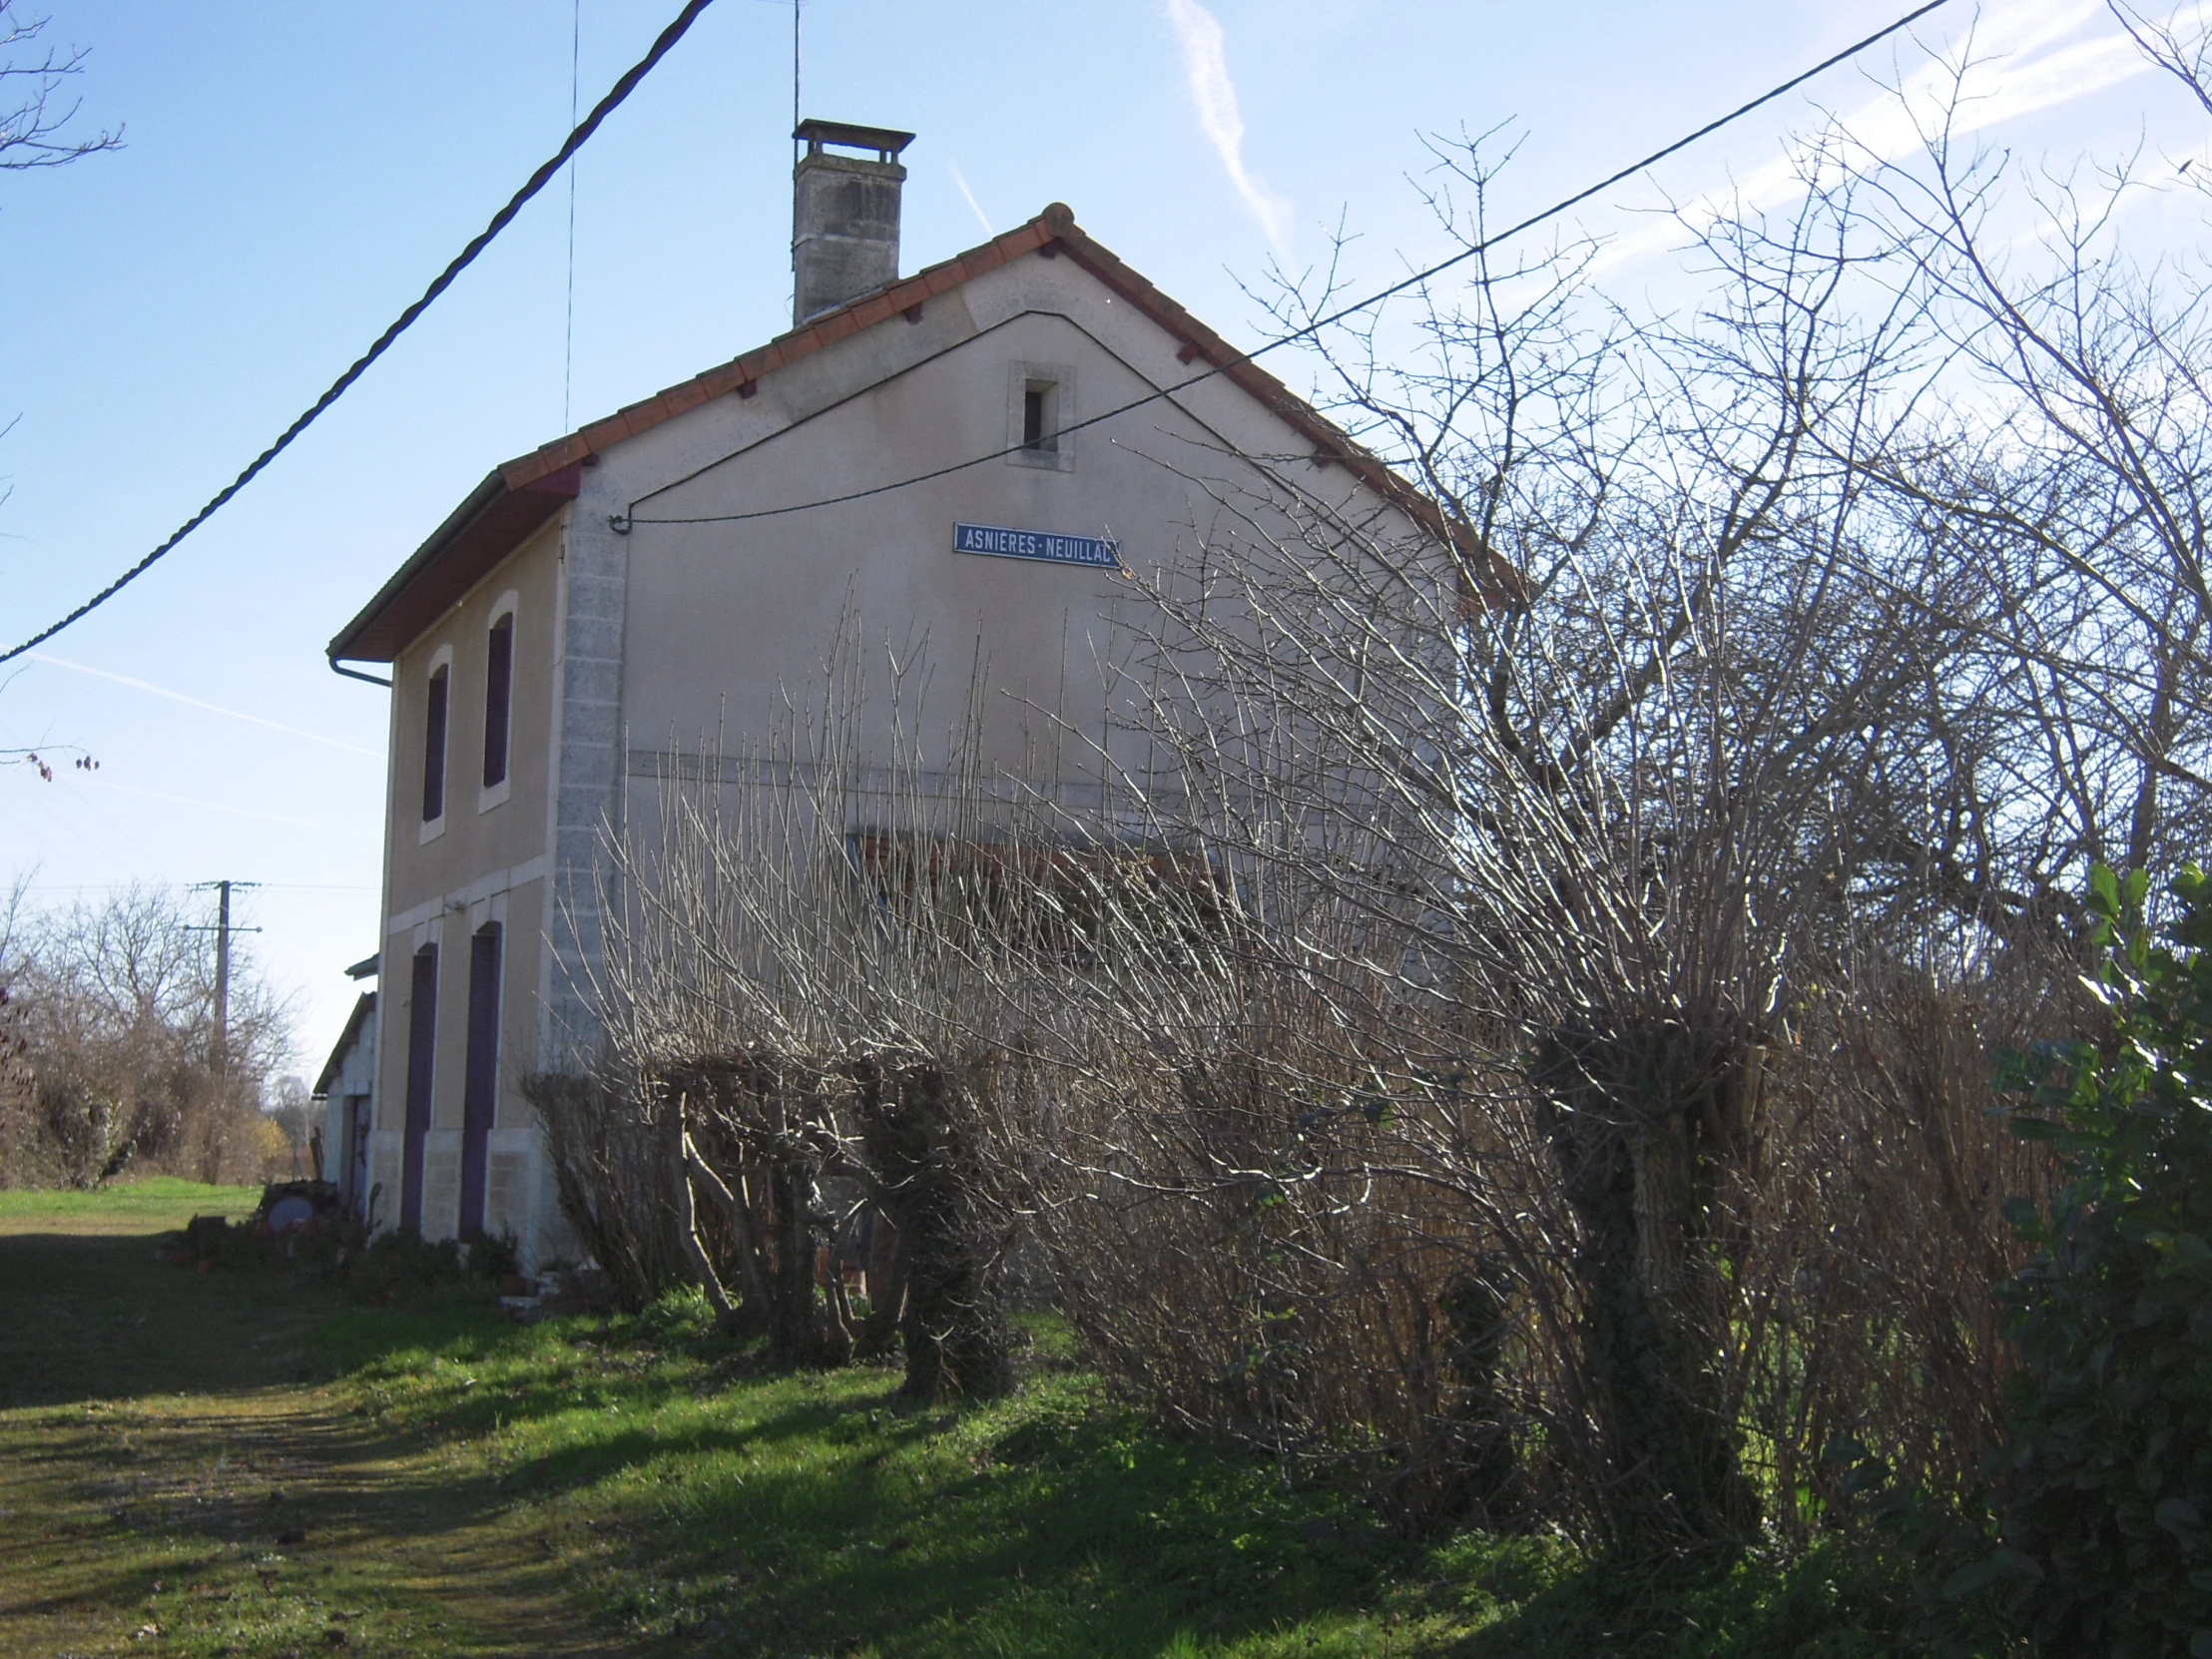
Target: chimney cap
<point>886,142</point>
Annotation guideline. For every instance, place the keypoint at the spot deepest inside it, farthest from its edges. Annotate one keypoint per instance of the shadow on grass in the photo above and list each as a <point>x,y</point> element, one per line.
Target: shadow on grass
<point>1046,1524</point>
<point>160,1454</point>
<point>1829,1602</point>
<point>733,1511</point>
<point>249,1523</point>
<point>98,1318</point>
<point>647,1474</point>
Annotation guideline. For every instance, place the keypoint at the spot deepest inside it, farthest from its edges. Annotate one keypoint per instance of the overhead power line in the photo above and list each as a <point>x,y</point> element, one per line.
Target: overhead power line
<point>461,262</point>
<point>627,519</point>
<point>661,47</point>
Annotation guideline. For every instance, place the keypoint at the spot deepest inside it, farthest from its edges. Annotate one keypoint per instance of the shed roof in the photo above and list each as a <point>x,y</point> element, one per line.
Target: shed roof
<point>518,496</point>
<point>363,1007</point>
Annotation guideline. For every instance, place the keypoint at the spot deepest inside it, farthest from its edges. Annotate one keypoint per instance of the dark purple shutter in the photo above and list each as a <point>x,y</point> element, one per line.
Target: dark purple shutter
<point>422,1043</point>
<point>499,672</point>
<point>434,751</point>
<point>480,1085</point>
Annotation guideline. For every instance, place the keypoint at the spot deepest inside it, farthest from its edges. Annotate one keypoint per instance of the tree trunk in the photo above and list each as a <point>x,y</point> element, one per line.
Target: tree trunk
<point>773,1204</point>
<point>791,1331</point>
<point>688,1168</point>
<point>1476,1313</point>
<point>752,1312</point>
<point>955,1332</point>
<point>1626,1122</point>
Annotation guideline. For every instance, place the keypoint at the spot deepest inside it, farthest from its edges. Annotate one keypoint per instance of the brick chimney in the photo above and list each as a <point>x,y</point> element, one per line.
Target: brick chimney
<point>844,214</point>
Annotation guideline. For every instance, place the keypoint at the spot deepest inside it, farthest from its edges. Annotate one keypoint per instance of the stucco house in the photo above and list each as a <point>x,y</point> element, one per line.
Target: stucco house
<point>923,450</point>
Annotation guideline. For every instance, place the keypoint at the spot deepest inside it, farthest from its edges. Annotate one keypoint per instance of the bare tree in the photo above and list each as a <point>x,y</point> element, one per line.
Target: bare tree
<point>33,115</point>
<point>45,757</point>
<point>115,1009</point>
<point>292,1108</point>
<point>2181,53</point>
<point>17,1080</point>
<point>1615,839</point>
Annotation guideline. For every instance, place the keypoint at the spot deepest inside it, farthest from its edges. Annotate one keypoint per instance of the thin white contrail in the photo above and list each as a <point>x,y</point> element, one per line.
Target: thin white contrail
<point>103,782</point>
<point>197,703</point>
<point>1206,70</point>
<point>982,217</point>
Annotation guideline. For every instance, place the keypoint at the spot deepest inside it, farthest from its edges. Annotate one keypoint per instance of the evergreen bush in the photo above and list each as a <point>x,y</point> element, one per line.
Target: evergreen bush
<point>2104,1487</point>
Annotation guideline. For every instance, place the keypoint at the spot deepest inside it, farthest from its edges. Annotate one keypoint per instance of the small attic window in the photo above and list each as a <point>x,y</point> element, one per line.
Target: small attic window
<point>1040,412</point>
<point>1040,426</point>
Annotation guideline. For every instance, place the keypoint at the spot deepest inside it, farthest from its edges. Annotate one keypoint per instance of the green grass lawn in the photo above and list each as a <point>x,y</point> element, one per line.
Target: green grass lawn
<point>703,1508</point>
<point>699,1507</point>
<point>238,1464</point>
<point>154,1203</point>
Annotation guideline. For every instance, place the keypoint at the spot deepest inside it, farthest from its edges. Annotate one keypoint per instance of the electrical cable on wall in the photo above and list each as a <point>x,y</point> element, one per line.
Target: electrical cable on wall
<point>461,262</point>
<point>627,519</point>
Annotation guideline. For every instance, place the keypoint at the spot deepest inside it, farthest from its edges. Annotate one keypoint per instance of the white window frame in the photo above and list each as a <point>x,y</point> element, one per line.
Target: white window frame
<point>432,827</point>
<point>506,605</point>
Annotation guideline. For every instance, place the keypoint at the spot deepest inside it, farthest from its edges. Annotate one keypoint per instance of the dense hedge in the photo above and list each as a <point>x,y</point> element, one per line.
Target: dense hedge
<point>2104,1489</point>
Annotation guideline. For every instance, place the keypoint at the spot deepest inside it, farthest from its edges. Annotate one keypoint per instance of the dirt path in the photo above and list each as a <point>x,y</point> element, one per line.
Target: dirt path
<point>170,1480</point>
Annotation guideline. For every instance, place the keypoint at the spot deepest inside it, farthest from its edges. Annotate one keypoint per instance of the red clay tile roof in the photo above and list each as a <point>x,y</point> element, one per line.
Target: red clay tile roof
<point>809,338</point>
<point>530,488</point>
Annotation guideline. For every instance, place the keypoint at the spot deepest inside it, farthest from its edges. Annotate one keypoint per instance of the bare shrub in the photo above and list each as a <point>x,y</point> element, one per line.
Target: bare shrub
<point>798,987</point>
<point>1876,1236</point>
<point>1616,836</point>
<point>613,1176</point>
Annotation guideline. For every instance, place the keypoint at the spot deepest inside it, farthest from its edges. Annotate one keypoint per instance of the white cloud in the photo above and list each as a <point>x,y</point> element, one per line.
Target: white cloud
<point>1206,70</point>
<point>2021,64</point>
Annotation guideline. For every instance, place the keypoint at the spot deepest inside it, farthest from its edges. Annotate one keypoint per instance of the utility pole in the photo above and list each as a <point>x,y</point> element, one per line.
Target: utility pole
<point>219,1042</point>
<point>220,1054</point>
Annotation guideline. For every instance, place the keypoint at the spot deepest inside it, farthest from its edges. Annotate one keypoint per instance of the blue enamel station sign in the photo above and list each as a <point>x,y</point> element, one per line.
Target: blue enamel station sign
<point>1002,543</point>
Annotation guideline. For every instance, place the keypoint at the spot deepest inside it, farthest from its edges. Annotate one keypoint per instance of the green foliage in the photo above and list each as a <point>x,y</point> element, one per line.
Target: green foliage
<point>399,1262</point>
<point>393,1265</point>
<point>731,1508</point>
<point>1837,1600</point>
<point>2105,1486</point>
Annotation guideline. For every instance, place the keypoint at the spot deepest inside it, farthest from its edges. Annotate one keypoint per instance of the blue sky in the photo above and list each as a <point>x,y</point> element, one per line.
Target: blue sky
<point>293,174</point>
